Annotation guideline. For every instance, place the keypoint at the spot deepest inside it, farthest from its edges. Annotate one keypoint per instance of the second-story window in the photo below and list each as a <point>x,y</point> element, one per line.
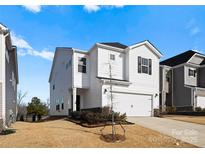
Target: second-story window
<point>192,72</point>
<point>54,87</point>
<point>112,57</point>
<point>82,64</point>
<point>144,65</point>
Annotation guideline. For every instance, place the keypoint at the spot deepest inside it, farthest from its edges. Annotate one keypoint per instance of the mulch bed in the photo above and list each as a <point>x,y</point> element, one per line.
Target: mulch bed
<point>84,124</point>
<point>109,138</point>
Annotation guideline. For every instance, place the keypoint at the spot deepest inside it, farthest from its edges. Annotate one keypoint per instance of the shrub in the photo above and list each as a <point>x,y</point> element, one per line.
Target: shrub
<point>92,117</point>
<point>170,109</point>
<point>198,109</point>
<point>203,110</point>
<point>156,112</point>
<point>76,115</point>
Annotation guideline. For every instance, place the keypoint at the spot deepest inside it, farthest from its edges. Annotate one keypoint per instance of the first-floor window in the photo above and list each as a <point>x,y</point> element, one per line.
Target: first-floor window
<point>62,106</point>
<point>57,107</point>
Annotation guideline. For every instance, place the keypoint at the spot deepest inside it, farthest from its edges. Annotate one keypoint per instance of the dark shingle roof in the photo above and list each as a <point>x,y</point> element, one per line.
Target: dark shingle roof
<point>115,44</point>
<point>178,59</point>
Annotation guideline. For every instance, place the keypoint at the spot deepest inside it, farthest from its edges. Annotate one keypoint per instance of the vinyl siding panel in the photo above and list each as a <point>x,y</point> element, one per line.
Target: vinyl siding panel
<point>118,65</point>
<point>62,80</point>
<point>181,94</point>
<point>81,80</point>
<point>11,90</point>
<point>189,80</point>
<point>201,77</point>
<point>93,97</point>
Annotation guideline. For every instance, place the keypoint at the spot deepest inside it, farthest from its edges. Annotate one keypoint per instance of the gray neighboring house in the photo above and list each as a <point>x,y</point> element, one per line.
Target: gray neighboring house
<point>8,78</point>
<point>182,81</point>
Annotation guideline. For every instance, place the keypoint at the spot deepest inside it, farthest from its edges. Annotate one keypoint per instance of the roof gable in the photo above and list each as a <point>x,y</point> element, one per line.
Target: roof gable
<point>181,58</point>
<point>149,45</point>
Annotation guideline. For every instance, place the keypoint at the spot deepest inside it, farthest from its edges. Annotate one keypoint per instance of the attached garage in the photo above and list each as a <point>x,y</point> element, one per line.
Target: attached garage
<point>201,101</point>
<point>133,104</point>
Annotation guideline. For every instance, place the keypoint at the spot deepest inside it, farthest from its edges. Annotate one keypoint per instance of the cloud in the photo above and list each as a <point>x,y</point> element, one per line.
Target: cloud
<point>194,30</point>
<point>91,8</point>
<point>33,8</point>
<point>24,48</point>
<point>95,8</point>
<point>193,27</point>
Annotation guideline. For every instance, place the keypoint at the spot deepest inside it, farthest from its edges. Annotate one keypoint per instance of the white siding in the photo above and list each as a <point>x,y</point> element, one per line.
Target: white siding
<point>81,80</point>
<point>93,97</point>
<point>140,83</point>
<point>62,79</point>
<point>118,67</point>
<point>189,80</point>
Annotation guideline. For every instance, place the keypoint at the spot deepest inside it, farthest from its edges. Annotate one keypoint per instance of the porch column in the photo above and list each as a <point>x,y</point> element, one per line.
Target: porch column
<point>74,99</point>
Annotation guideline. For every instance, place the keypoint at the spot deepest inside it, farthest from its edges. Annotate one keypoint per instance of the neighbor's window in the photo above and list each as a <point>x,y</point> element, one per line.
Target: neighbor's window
<point>62,106</point>
<point>168,75</point>
<point>82,65</point>
<point>68,64</point>
<point>144,65</point>
<point>192,72</point>
<point>54,87</point>
<point>57,107</point>
<point>112,57</point>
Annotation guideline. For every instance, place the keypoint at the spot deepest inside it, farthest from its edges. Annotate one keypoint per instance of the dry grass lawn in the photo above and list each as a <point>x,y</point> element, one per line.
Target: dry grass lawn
<point>62,133</point>
<point>193,119</point>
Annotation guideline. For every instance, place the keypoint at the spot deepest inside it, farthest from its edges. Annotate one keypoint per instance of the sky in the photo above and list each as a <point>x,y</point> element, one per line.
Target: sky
<point>38,30</point>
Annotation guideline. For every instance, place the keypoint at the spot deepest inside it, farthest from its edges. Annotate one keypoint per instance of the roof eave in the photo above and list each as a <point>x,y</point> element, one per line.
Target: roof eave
<point>109,47</point>
<point>150,45</point>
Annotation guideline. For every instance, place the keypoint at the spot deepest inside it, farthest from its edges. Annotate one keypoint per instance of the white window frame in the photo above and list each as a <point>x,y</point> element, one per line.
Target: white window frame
<point>82,64</point>
<point>145,65</point>
<point>193,72</point>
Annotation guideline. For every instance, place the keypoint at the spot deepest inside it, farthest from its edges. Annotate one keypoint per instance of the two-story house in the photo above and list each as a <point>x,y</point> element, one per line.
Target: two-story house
<point>81,79</point>
<point>182,81</point>
<point>8,78</point>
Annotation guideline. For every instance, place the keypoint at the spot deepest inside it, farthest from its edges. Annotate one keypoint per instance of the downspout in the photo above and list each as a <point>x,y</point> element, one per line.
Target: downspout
<point>172,87</point>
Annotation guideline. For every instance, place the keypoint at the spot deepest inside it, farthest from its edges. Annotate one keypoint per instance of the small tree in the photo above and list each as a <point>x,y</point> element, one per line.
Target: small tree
<point>37,108</point>
<point>111,99</point>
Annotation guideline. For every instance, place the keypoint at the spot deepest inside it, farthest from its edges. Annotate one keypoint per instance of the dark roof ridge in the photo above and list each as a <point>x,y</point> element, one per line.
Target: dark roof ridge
<point>115,44</point>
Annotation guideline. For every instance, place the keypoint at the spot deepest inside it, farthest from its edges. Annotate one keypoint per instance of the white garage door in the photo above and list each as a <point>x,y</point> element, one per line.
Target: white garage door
<point>133,104</point>
<point>201,101</point>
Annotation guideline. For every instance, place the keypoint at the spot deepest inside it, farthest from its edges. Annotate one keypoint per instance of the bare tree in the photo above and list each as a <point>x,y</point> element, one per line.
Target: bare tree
<point>21,108</point>
<point>20,96</point>
<point>111,99</point>
<point>112,104</point>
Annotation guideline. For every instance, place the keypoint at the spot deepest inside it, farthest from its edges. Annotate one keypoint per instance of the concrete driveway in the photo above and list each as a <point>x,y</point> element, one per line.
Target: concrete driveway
<point>187,132</point>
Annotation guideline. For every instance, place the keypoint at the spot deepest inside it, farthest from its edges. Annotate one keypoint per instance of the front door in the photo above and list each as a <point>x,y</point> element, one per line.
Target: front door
<point>78,103</point>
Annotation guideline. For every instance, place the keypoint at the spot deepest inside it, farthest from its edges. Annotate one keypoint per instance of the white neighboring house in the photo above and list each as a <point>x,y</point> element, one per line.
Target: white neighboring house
<point>80,79</point>
<point>8,78</point>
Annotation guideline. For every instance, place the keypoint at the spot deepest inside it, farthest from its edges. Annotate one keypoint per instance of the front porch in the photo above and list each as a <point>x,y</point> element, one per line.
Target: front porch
<point>77,99</point>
